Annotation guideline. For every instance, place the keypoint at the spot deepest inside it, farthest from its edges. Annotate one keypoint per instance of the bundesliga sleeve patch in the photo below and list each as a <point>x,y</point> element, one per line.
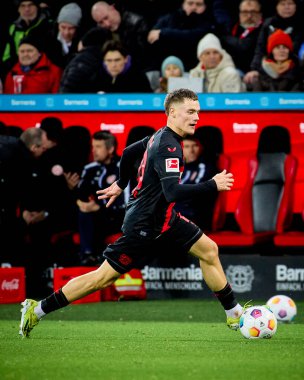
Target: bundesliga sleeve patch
<point>172,165</point>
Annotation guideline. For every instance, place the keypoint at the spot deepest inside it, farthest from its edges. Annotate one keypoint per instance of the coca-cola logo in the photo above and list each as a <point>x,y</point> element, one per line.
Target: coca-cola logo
<point>10,285</point>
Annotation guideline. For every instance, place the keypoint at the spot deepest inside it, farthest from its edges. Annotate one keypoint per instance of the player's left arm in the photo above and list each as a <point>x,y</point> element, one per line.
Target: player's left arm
<point>169,166</point>
<point>174,191</point>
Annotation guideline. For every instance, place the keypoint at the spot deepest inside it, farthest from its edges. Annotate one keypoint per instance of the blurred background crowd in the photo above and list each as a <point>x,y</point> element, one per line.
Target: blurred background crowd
<point>49,211</point>
<point>58,46</point>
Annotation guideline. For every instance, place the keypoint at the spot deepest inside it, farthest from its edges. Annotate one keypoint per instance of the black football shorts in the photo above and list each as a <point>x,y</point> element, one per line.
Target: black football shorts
<point>133,250</point>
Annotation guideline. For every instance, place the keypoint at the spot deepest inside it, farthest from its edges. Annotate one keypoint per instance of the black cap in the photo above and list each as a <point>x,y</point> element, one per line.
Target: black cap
<point>36,2</point>
<point>95,37</point>
<point>32,40</point>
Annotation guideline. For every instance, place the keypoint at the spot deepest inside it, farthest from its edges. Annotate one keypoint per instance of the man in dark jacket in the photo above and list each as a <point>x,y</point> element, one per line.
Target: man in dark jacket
<point>179,32</point>
<point>240,42</point>
<point>80,75</point>
<point>118,73</point>
<point>129,28</point>
<point>16,159</point>
<point>226,13</point>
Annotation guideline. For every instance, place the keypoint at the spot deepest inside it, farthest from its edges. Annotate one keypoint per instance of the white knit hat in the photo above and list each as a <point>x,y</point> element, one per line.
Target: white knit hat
<point>210,41</point>
<point>70,13</point>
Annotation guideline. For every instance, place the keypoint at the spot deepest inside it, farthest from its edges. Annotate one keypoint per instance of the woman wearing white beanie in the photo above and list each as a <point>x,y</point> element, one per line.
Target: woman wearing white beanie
<point>216,67</point>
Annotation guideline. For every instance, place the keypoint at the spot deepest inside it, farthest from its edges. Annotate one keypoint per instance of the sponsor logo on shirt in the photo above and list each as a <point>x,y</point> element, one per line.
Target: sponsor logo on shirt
<point>172,165</point>
<point>172,149</point>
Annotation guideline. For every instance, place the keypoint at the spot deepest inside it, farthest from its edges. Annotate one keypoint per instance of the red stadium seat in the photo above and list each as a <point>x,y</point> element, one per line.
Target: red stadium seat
<point>265,203</point>
<point>211,138</point>
<point>219,212</point>
<point>290,238</point>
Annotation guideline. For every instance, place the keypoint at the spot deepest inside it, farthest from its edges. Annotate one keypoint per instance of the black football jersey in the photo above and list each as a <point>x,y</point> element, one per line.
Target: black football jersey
<point>148,212</point>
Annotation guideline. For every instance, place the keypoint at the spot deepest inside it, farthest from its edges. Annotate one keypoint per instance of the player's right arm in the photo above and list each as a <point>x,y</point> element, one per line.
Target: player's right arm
<point>130,155</point>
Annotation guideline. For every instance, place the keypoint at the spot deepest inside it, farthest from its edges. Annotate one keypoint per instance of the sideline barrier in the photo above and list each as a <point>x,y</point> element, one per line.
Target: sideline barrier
<point>251,276</point>
<point>12,285</point>
<point>129,286</point>
<point>63,275</point>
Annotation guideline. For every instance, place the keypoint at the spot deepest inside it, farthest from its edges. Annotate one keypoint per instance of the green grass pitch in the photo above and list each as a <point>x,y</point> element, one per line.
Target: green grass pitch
<point>146,340</point>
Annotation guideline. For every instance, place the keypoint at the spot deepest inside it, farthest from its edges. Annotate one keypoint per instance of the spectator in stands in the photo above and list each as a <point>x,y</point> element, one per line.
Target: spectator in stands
<point>171,67</point>
<point>226,13</point>
<point>179,32</point>
<point>16,159</point>
<point>197,170</point>
<point>280,68</point>
<point>66,34</point>
<point>151,10</point>
<point>216,67</point>
<point>287,19</point>
<point>80,75</point>
<point>96,221</point>
<point>241,40</point>
<point>119,74</point>
<point>129,28</point>
<point>34,73</point>
<point>31,21</point>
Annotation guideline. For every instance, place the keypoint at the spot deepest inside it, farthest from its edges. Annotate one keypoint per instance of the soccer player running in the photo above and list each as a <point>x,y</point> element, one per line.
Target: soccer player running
<point>150,216</point>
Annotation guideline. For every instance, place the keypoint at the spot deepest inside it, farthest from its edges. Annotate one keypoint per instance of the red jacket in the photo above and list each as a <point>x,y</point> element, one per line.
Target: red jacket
<point>43,78</point>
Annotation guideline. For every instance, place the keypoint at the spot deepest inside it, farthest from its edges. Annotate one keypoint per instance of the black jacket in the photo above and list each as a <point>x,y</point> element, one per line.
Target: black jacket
<point>180,35</point>
<point>133,32</point>
<point>131,80</point>
<point>80,75</point>
<point>15,168</point>
<point>290,81</point>
<point>241,49</point>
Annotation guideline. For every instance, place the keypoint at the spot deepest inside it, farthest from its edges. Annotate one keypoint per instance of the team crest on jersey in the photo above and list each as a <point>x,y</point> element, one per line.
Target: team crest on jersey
<point>111,178</point>
<point>172,165</point>
<point>125,259</point>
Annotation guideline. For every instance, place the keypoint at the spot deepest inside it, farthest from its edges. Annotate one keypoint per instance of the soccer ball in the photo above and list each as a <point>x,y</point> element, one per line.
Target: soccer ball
<point>258,322</point>
<point>283,307</point>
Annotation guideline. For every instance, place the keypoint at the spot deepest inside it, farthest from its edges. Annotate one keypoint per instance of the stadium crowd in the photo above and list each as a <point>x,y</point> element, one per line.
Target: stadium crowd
<point>106,47</point>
